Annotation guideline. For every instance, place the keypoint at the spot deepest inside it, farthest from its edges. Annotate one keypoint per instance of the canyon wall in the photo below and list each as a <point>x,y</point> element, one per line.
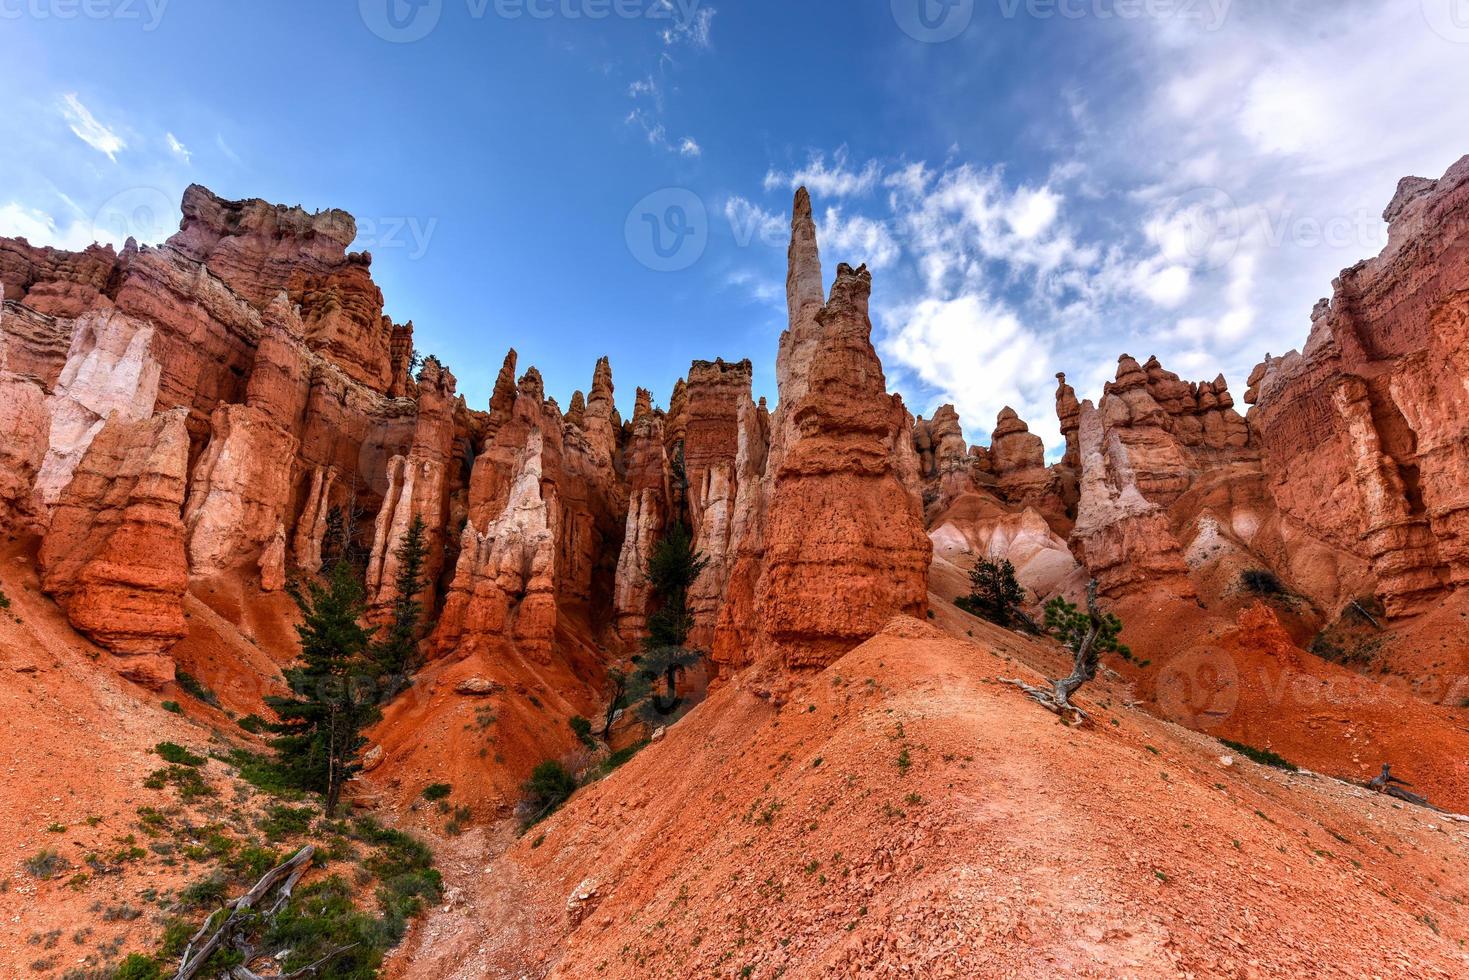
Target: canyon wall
<point>233,408</point>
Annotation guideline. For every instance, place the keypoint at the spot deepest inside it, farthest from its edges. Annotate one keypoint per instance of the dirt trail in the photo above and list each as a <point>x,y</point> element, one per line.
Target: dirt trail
<point>902,813</point>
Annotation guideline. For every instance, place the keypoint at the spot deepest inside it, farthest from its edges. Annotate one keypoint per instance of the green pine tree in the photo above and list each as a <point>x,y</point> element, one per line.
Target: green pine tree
<point>994,593</point>
<point>672,569</point>
<point>333,688</point>
<point>396,653</point>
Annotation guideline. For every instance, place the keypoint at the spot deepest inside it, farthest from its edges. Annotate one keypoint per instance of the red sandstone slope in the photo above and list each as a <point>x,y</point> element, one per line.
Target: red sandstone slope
<point>903,813</point>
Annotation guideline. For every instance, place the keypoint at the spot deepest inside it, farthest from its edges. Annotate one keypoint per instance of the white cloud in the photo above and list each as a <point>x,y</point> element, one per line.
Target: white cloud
<point>689,147</point>
<point>835,180</point>
<point>1032,211</point>
<point>40,228</point>
<point>1165,285</point>
<point>89,130</point>
<point>178,149</point>
<point>752,224</point>
<point>226,149</point>
<point>857,239</point>
<point>759,286</point>
<point>975,353</point>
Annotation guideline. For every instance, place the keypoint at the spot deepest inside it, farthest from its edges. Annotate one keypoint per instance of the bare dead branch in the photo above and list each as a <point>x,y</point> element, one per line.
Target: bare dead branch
<point>239,911</point>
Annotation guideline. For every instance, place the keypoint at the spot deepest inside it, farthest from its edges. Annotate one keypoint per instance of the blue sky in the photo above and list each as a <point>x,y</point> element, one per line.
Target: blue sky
<point>1057,182</point>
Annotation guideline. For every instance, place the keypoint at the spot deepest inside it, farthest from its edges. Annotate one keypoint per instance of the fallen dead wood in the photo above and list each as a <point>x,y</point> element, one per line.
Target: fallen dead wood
<point>1391,785</point>
<point>241,912</point>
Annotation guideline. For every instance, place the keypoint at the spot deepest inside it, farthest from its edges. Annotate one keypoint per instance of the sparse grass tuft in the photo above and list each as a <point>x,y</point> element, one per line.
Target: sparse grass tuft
<point>45,864</point>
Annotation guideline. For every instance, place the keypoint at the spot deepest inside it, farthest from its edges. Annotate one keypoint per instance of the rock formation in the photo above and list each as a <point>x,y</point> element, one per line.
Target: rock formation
<point>1363,451</point>
<point>114,553</point>
<point>648,516</point>
<point>844,547</point>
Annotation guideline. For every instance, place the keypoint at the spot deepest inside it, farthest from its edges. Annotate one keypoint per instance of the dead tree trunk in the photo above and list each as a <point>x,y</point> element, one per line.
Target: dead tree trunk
<point>240,911</point>
<point>1392,786</point>
<point>1084,662</point>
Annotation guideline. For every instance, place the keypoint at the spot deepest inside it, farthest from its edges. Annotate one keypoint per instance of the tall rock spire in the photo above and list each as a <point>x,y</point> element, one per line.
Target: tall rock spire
<point>803,275</point>
<point>842,545</point>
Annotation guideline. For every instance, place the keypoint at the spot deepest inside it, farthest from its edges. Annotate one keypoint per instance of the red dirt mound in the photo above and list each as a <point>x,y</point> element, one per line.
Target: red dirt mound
<point>904,813</point>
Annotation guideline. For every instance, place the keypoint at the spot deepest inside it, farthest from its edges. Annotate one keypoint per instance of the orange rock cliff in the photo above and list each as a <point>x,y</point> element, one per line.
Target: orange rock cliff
<point>183,426</point>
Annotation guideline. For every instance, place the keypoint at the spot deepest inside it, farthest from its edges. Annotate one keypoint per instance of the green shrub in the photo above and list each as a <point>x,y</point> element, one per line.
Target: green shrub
<point>1263,756</point>
<point>549,786</point>
<point>438,791</point>
<point>264,773</point>
<point>252,862</point>
<point>254,724</point>
<point>994,594</point>
<point>582,728</point>
<point>283,821</point>
<point>177,754</point>
<point>206,893</point>
<point>195,688</point>
<point>187,780</point>
<point>172,706</point>
<point>614,761</point>
<point>1071,625</point>
<point>323,917</point>
<point>138,967</point>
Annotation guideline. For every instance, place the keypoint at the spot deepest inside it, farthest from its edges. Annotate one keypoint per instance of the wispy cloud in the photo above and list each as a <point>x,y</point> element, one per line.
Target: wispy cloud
<point>836,179</point>
<point>692,24</point>
<point>179,149</point>
<point>89,130</point>
<point>227,150</point>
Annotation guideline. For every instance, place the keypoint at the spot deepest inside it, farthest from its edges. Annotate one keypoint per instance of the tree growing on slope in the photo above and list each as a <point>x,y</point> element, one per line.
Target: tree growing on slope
<point>396,654</point>
<point>672,569</point>
<point>333,688</point>
<point>1087,635</point>
<point>994,594</point>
